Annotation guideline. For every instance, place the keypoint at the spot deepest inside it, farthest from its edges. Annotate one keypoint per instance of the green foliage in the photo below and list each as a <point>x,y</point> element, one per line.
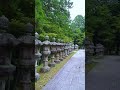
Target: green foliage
<point>53,19</point>
<point>19,12</point>
<point>103,23</point>
<point>17,27</point>
<point>78,22</point>
<point>78,26</point>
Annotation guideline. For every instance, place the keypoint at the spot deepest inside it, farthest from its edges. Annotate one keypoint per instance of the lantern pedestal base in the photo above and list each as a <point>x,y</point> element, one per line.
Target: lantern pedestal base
<point>52,64</point>
<point>61,59</point>
<point>45,69</point>
<point>57,61</point>
<point>37,76</point>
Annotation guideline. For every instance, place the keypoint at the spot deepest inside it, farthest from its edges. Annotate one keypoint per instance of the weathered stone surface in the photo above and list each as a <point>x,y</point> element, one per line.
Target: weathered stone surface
<point>26,58</point>
<point>58,53</point>
<point>99,50</point>
<point>38,43</point>
<point>7,43</point>
<point>53,52</point>
<point>76,47</point>
<point>46,52</point>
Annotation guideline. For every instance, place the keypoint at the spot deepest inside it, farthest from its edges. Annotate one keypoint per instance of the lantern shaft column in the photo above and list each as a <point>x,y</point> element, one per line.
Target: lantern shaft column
<point>46,53</point>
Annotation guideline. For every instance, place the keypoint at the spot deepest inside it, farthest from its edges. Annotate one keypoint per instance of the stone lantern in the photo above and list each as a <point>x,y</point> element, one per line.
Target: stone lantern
<point>91,51</point>
<point>46,52</point>
<point>66,50</point>
<point>38,43</point>
<point>91,46</point>
<point>87,50</point>
<point>53,52</point>
<point>58,51</point>
<point>61,50</point>
<point>26,58</point>
<point>102,50</point>
<point>76,47</point>
<point>63,47</point>
<point>7,43</point>
<point>99,50</point>
<point>72,47</point>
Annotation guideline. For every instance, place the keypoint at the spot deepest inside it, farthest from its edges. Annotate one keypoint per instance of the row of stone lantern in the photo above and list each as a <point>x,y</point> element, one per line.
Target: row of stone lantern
<point>99,50</point>
<point>17,69</point>
<point>18,56</point>
<point>57,50</point>
<point>37,54</point>
<point>91,50</point>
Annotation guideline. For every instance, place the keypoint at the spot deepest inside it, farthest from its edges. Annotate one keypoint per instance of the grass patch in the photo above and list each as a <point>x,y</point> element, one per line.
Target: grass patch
<point>90,66</point>
<point>45,77</point>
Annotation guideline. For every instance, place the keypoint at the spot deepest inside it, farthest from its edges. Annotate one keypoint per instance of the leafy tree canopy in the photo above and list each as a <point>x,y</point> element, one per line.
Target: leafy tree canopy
<point>53,19</point>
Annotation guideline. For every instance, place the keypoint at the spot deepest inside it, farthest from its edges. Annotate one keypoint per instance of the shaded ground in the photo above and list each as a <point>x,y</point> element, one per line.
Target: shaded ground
<point>90,66</point>
<point>105,75</point>
<point>71,76</point>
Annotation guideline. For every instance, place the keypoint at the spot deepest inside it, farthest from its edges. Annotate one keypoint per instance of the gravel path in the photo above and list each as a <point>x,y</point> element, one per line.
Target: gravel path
<point>71,76</point>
